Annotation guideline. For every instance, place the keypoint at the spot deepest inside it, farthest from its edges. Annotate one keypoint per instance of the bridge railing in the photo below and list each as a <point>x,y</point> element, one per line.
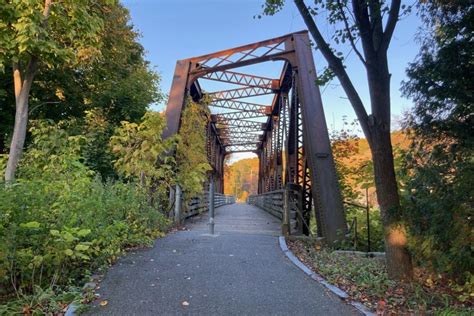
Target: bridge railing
<point>200,203</point>
<point>286,205</point>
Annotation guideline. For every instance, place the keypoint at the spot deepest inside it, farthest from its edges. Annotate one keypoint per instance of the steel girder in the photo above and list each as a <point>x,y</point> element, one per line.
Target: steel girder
<point>239,93</point>
<point>241,79</point>
<point>239,115</point>
<point>289,136</point>
<point>242,106</point>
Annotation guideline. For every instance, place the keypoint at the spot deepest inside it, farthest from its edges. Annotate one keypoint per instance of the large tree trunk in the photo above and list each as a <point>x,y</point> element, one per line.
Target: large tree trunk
<point>376,127</point>
<point>22,94</point>
<point>398,259</point>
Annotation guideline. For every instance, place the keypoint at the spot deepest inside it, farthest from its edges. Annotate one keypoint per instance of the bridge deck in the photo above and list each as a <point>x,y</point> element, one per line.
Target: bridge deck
<point>239,271</point>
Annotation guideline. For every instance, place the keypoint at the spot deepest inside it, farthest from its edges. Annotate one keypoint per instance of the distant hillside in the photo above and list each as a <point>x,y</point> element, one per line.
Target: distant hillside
<point>240,178</point>
<point>399,140</point>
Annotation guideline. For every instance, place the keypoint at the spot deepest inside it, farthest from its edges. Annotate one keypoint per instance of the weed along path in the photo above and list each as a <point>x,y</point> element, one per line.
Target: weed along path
<point>238,271</point>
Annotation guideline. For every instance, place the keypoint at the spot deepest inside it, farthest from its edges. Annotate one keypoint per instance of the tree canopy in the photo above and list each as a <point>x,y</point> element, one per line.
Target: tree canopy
<point>439,168</point>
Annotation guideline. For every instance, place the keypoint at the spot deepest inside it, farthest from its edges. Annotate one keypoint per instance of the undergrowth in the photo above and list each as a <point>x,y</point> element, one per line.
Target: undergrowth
<point>365,279</point>
<point>59,223</point>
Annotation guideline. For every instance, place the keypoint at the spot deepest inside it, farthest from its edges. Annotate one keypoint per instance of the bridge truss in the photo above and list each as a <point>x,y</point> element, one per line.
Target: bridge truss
<point>289,135</point>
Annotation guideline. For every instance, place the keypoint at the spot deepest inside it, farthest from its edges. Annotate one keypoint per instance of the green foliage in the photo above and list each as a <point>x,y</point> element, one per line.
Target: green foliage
<point>191,150</point>
<point>115,84</point>
<point>70,31</point>
<point>142,155</point>
<point>97,130</point>
<point>50,301</point>
<point>438,173</point>
<point>354,177</point>
<point>64,217</point>
<point>121,82</point>
<point>345,145</point>
<point>58,223</point>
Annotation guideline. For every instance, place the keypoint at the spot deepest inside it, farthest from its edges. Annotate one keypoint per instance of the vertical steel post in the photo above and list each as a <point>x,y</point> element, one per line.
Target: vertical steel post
<point>325,187</point>
<point>285,223</point>
<point>176,98</point>
<point>367,209</point>
<point>211,205</point>
<point>177,205</point>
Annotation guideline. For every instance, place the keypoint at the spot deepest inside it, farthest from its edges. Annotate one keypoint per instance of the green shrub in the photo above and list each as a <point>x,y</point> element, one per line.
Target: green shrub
<point>191,151</point>
<point>59,222</point>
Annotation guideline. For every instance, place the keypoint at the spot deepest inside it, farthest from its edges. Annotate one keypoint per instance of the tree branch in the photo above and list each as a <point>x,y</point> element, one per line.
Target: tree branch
<point>337,67</point>
<point>390,26</point>
<point>363,23</point>
<point>376,23</point>
<point>351,39</point>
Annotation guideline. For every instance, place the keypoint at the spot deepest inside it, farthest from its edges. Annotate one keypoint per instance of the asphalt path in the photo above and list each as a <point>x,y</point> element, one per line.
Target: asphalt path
<point>240,270</point>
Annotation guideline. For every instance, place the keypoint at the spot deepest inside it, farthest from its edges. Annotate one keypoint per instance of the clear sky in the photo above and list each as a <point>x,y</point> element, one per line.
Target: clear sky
<point>178,29</point>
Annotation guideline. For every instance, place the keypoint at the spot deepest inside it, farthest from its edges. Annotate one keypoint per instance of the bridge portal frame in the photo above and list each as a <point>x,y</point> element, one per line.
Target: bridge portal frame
<point>295,125</point>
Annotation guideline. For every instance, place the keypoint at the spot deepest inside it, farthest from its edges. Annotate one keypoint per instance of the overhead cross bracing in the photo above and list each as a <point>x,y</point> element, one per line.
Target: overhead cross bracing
<point>279,117</point>
<point>240,122</point>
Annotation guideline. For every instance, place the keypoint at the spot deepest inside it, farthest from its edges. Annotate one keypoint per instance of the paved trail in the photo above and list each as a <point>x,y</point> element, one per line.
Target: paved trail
<point>239,271</point>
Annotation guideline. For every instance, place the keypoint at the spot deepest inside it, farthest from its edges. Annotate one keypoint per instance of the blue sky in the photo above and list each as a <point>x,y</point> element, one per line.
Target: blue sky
<point>178,29</point>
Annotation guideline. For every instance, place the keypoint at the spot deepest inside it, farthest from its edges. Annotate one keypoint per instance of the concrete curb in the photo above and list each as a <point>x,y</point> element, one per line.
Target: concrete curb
<point>313,275</point>
<point>71,310</point>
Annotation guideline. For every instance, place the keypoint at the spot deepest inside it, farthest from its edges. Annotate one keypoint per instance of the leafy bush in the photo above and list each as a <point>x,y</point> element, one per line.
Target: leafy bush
<point>58,222</point>
<point>142,155</point>
<point>191,150</point>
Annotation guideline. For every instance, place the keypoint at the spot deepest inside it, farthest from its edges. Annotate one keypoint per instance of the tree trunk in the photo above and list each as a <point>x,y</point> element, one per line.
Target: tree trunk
<point>398,259</point>
<point>376,127</point>
<point>22,94</point>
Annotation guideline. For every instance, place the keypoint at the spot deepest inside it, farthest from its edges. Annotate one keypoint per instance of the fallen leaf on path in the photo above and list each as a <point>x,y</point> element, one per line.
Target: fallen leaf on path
<point>104,303</point>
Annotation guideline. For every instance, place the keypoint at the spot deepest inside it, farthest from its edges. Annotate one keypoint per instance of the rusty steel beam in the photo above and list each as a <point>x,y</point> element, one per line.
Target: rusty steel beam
<point>179,89</point>
<point>273,49</point>
<point>236,139</point>
<point>239,93</point>
<point>242,79</point>
<point>326,193</point>
<point>242,106</point>
<point>238,115</point>
<point>241,53</point>
<point>237,133</point>
<point>240,148</point>
<point>240,123</point>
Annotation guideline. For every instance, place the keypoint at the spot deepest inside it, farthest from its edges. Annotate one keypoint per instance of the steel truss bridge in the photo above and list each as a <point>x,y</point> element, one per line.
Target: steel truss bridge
<point>289,135</point>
